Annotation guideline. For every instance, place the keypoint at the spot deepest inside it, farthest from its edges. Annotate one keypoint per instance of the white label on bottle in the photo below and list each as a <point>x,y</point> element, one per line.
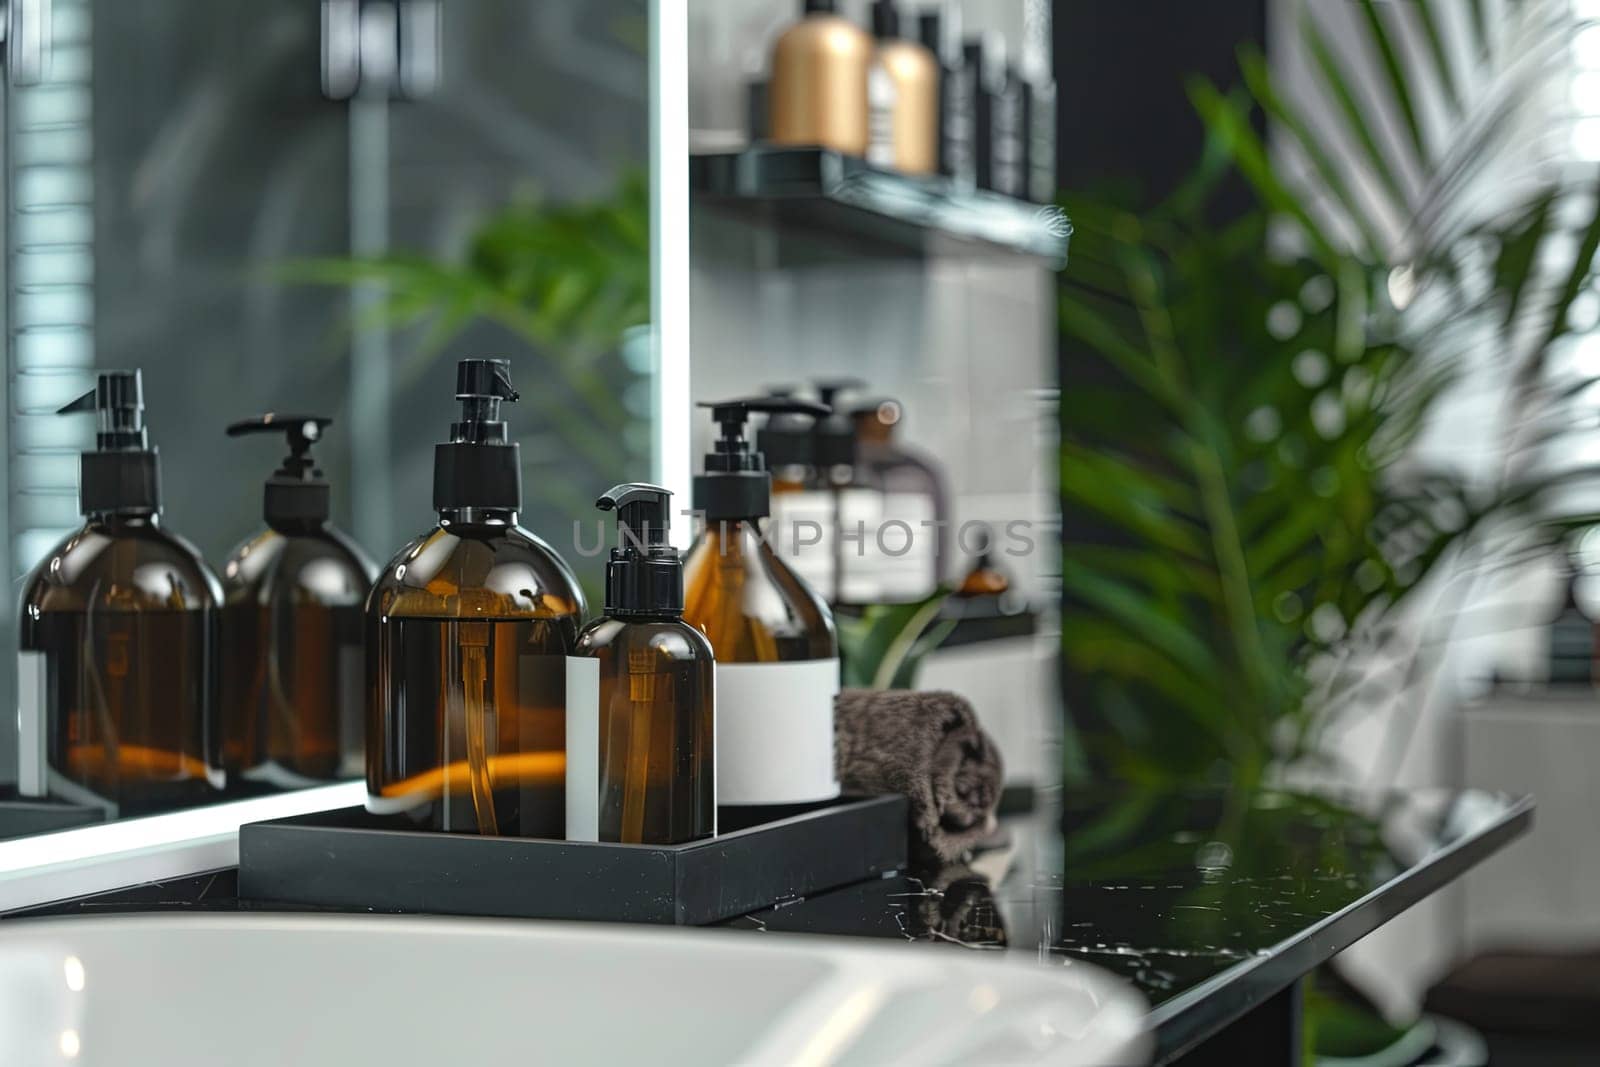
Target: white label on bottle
<point>352,721</point>
<point>775,732</point>
<point>583,748</point>
<point>903,548</point>
<point>32,771</point>
<point>880,117</point>
<point>860,514</point>
<point>802,534</point>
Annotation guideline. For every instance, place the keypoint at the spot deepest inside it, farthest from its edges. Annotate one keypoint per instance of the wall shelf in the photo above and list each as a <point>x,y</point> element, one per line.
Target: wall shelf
<point>820,192</point>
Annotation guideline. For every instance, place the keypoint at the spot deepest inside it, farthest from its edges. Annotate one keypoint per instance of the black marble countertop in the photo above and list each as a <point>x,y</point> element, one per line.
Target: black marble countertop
<point>1211,903</point>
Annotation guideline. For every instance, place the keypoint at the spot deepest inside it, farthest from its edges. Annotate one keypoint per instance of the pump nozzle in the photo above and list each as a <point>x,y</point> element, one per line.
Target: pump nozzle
<point>117,400</point>
<point>836,434</point>
<point>736,484</point>
<point>828,388</point>
<point>643,510</point>
<point>645,574</point>
<point>302,431</point>
<point>479,468</point>
<point>481,386</point>
<point>786,438</point>
<point>121,476</point>
<point>731,416</point>
<point>296,492</point>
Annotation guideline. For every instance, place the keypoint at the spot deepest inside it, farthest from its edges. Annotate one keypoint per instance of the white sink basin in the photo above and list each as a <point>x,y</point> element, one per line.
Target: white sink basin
<point>169,991</point>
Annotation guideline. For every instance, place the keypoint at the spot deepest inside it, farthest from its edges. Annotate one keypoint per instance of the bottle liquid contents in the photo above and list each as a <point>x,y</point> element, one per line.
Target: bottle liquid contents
<point>640,694</point>
<point>777,655</point>
<point>293,704</point>
<point>117,665</point>
<point>469,626</point>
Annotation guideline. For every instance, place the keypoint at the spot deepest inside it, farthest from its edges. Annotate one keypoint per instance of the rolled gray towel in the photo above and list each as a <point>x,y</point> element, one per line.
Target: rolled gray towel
<point>929,747</point>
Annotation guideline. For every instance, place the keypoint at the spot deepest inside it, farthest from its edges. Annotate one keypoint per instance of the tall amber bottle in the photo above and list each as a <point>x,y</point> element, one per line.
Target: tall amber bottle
<point>776,651</point>
<point>292,674</point>
<point>468,628</point>
<point>118,636</point>
<point>818,93</point>
<point>641,765</point>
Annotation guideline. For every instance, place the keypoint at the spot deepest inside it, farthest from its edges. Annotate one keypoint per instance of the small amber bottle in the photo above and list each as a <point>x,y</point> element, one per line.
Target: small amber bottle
<point>773,636</point>
<point>118,637</point>
<point>641,767</point>
<point>469,627</point>
<point>292,674</point>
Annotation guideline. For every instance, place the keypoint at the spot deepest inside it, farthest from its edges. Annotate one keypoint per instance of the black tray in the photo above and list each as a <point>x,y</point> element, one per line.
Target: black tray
<point>22,816</point>
<point>352,860</point>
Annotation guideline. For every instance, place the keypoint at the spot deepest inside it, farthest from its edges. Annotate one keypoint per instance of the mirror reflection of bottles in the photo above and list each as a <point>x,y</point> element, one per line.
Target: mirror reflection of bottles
<point>893,515</point>
<point>468,629</point>
<point>818,91</point>
<point>117,678</point>
<point>641,763</point>
<point>1574,634</point>
<point>902,96</point>
<point>834,477</point>
<point>777,656</point>
<point>802,507</point>
<point>940,32</point>
<point>1002,121</point>
<point>292,663</point>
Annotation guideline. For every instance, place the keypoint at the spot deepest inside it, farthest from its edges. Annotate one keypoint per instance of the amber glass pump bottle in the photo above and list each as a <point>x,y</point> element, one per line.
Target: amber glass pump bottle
<point>640,693</point>
<point>777,655</point>
<point>118,637</point>
<point>468,629</point>
<point>292,706</point>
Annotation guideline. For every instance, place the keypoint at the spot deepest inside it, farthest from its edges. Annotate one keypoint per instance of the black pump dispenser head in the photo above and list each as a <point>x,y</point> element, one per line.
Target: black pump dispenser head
<point>787,439</point>
<point>885,19</point>
<point>836,434</point>
<point>644,575</point>
<point>121,476</point>
<point>296,495</point>
<point>479,468</point>
<point>736,484</point>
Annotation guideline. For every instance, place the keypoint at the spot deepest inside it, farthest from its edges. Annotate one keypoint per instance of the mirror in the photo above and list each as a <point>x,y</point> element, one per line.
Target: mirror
<point>286,206</point>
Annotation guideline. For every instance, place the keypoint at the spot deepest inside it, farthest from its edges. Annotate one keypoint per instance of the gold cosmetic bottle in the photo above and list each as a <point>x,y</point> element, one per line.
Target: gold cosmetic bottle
<point>773,636</point>
<point>117,665</point>
<point>818,92</point>
<point>905,102</point>
<point>468,629</point>
<point>641,765</point>
<point>292,707</point>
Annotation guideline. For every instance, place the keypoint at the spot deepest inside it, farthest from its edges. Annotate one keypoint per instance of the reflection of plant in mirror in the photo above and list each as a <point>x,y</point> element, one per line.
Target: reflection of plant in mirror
<point>569,280</point>
<point>884,646</point>
<point>1260,518</point>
